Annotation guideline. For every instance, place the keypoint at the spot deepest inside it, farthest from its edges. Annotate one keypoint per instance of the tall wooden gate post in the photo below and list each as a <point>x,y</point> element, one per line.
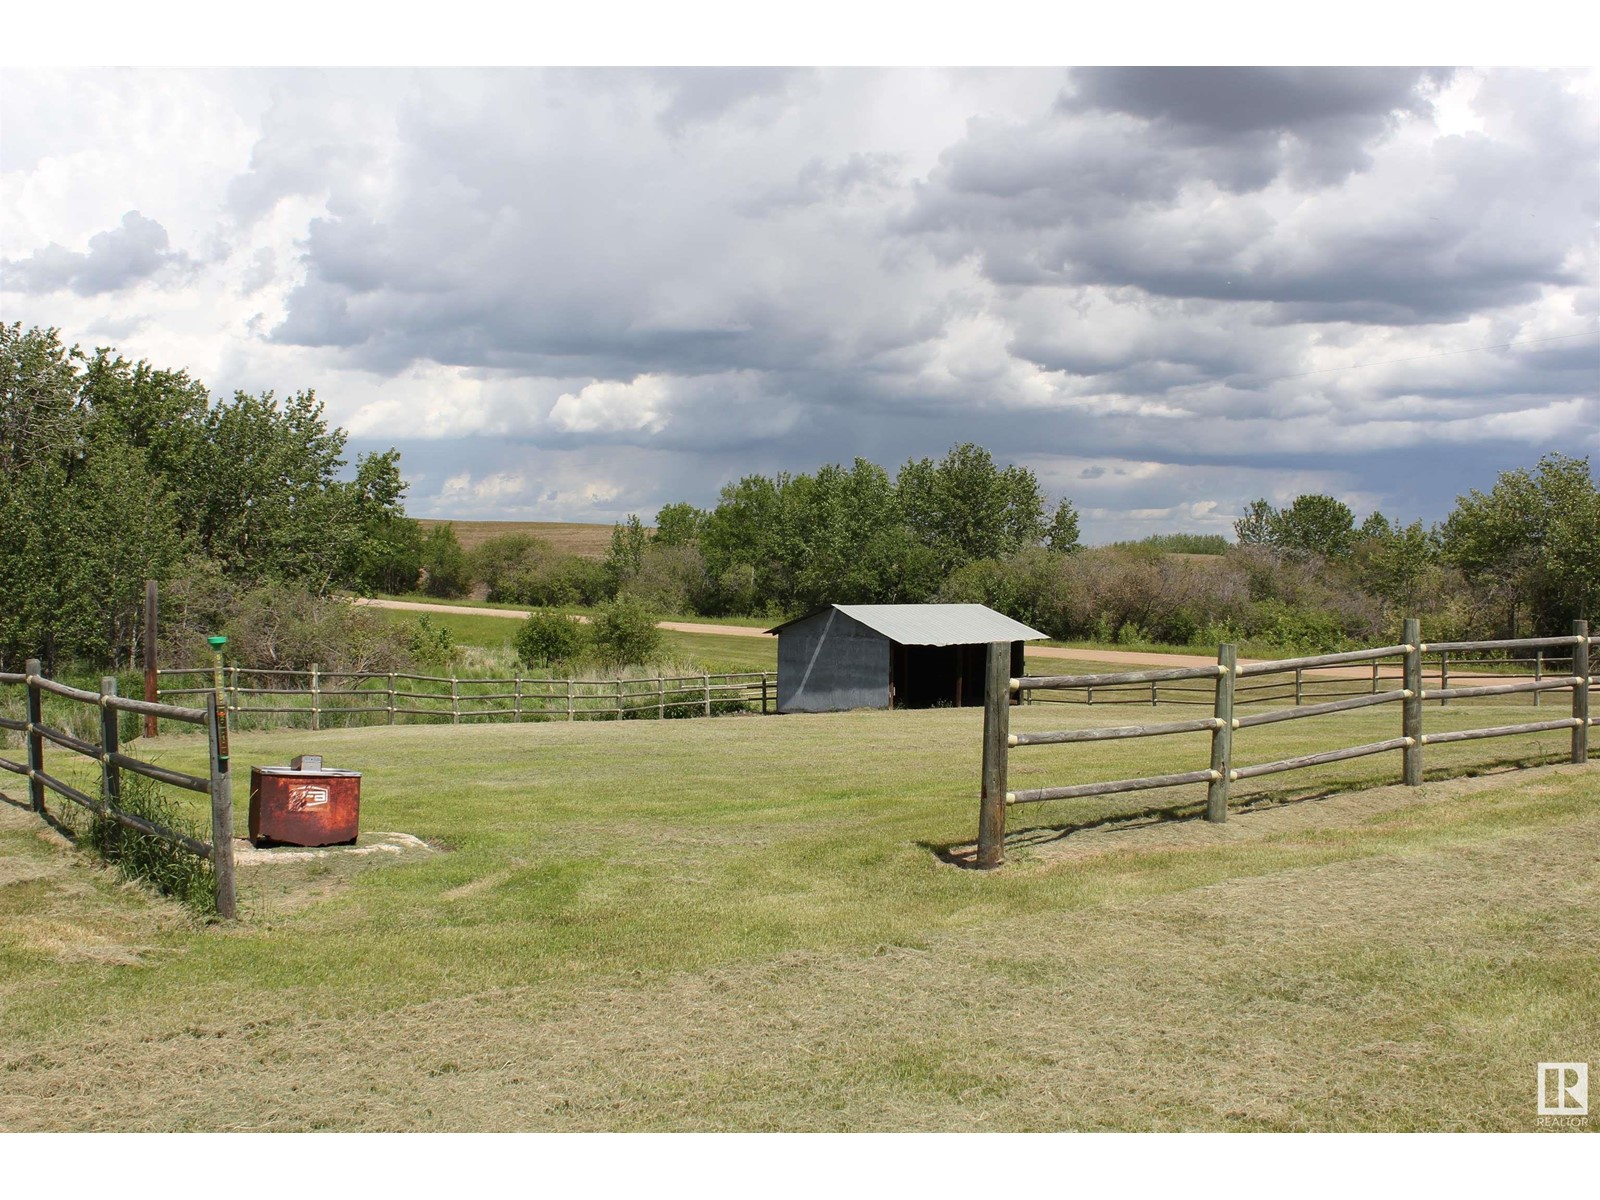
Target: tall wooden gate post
<point>1222,734</point>
<point>1580,692</point>
<point>35,738</point>
<point>110,773</point>
<point>996,745</point>
<point>221,810</point>
<point>150,680</point>
<point>1412,706</point>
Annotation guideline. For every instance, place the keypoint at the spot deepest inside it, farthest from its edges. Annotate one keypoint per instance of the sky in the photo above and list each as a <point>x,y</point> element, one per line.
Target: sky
<point>572,293</point>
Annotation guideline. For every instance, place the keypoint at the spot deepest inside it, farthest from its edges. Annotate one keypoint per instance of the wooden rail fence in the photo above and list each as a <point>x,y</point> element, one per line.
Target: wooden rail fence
<point>1225,692</point>
<point>388,696</point>
<point>107,751</point>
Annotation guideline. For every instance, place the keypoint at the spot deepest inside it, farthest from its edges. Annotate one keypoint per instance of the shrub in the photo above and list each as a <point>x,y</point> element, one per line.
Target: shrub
<point>431,645</point>
<point>545,639</point>
<point>625,632</point>
<point>286,626</point>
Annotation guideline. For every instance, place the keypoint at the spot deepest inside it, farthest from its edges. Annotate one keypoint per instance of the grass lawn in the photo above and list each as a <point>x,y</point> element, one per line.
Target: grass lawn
<point>750,923</point>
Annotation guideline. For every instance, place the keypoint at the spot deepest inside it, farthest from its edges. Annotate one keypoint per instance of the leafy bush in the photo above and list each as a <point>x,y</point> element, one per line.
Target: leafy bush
<point>286,626</point>
<point>431,645</point>
<point>1305,630</point>
<point>625,632</point>
<point>546,639</point>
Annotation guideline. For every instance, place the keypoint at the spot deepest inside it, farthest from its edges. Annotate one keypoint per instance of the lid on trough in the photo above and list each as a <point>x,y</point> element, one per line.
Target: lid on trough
<point>324,772</point>
<point>306,762</point>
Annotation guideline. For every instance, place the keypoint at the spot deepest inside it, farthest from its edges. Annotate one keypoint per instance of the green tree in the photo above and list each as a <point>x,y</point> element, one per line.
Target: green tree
<point>1394,561</point>
<point>1315,525</point>
<point>1531,546</point>
<point>965,508</point>
<point>444,563</point>
<point>625,633</point>
<point>1062,534</point>
<point>268,504</point>
<point>1258,525</point>
<point>629,540</point>
<point>386,553</point>
<point>679,525</point>
<point>742,541</point>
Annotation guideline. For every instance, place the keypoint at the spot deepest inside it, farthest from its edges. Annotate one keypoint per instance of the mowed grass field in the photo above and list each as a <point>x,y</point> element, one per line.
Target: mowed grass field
<point>751,923</point>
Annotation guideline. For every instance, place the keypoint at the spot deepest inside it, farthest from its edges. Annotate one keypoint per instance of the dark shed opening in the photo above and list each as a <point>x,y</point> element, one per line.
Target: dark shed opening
<point>891,655</point>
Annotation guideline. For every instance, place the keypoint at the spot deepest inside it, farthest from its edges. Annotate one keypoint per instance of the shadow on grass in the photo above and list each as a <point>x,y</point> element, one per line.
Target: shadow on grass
<point>47,816</point>
<point>964,854</point>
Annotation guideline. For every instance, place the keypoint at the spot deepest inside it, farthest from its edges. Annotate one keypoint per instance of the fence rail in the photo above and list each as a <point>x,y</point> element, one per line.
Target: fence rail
<point>107,752</point>
<point>1227,692</point>
<point>396,694</point>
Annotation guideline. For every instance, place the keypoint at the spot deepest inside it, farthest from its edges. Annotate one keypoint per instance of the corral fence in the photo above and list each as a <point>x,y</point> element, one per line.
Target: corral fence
<point>107,752</point>
<point>1537,662</point>
<point>322,699</point>
<point>1226,692</point>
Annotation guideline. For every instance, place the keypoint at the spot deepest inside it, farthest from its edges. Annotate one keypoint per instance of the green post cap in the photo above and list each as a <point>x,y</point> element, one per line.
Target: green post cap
<point>218,641</point>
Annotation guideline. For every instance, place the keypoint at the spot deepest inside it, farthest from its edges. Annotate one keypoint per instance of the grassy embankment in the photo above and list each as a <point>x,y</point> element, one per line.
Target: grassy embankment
<point>746,923</point>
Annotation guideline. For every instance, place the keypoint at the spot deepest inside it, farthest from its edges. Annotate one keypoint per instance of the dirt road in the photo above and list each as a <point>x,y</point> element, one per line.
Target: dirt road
<point>1114,658</point>
<point>1117,657</point>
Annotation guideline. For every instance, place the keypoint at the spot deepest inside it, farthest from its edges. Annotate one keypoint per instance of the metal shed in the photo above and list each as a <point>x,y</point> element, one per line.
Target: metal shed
<point>891,655</point>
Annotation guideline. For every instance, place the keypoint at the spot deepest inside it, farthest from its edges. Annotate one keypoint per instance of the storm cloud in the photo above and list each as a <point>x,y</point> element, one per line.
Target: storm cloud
<point>573,293</point>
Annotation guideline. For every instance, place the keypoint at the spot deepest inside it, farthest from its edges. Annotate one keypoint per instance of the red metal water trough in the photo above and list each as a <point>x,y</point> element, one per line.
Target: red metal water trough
<point>304,804</point>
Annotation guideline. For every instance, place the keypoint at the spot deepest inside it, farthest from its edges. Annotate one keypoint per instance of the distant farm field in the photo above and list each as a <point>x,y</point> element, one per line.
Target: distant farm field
<point>750,923</point>
<point>574,537</point>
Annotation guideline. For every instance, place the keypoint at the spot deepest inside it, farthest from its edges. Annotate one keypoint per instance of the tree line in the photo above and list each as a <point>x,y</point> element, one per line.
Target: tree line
<point>776,545</point>
<point>116,472</point>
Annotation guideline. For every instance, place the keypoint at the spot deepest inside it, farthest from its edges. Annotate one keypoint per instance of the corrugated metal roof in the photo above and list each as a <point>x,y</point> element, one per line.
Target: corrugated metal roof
<point>934,624</point>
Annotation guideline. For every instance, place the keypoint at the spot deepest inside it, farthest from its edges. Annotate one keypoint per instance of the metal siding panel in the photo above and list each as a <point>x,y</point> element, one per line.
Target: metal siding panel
<point>830,663</point>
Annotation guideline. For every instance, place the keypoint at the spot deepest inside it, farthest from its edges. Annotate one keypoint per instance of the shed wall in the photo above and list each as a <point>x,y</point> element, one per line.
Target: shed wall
<point>829,663</point>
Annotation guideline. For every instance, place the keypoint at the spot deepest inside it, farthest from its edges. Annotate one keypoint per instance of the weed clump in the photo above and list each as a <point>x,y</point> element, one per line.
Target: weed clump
<point>171,869</point>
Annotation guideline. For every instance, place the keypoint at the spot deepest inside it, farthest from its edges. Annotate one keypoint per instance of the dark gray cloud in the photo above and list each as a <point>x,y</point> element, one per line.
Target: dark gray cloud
<point>136,250</point>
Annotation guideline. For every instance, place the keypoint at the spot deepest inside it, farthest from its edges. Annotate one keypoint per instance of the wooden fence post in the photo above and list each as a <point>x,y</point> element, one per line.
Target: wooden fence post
<point>233,690</point>
<point>110,773</point>
<point>763,693</point>
<point>1299,686</point>
<point>221,814</point>
<point>1538,670</point>
<point>661,698</point>
<point>35,738</point>
<point>316,696</point>
<point>516,697</point>
<point>1444,676</point>
<point>1374,677</point>
<point>1152,693</point>
<point>1222,734</point>
<point>619,697</point>
<point>996,746</point>
<point>1580,692</point>
<point>455,701</point>
<point>150,678</point>
<point>390,697</point>
<point>1411,718</point>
